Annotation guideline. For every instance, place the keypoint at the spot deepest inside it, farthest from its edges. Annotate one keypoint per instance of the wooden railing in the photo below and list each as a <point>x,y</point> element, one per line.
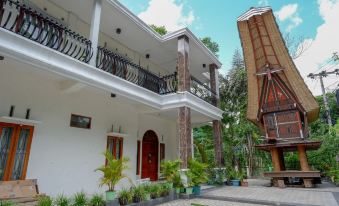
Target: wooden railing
<point>39,27</point>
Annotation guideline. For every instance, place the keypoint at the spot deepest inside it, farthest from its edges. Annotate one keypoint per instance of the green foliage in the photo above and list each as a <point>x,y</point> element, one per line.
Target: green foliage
<point>236,175</point>
<point>97,200</point>
<point>61,200</point>
<point>155,190</point>
<point>80,199</point>
<point>6,203</point>
<point>170,169</point>
<point>125,196</point>
<point>113,171</point>
<point>165,189</point>
<point>139,193</point>
<point>211,45</point>
<point>197,172</point>
<point>159,29</point>
<point>45,201</point>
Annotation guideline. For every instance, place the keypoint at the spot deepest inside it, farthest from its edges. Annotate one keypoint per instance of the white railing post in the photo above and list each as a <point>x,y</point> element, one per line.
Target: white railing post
<point>95,29</point>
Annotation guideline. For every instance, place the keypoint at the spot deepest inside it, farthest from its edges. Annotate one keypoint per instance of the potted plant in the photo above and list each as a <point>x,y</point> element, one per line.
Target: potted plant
<point>125,197</point>
<point>112,173</point>
<point>138,194</point>
<point>177,183</point>
<point>197,174</point>
<point>80,199</point>
<point>155,190</point>
<point>147,191</point>
<point>170,169</point>
<point>97,200</point>
<point>235,177</point>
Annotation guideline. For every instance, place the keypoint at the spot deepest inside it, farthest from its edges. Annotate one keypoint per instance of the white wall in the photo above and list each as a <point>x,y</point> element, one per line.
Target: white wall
<point>62,158</point>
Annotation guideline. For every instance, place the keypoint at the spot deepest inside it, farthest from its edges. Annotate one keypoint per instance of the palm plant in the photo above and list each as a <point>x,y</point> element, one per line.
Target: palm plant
<point>170,169</point>
<point>113,171</point>
<point>197,172</point>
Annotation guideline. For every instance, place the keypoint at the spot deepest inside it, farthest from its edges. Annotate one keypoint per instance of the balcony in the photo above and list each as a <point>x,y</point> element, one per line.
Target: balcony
<point>43,29</point>
<point>35,25</point>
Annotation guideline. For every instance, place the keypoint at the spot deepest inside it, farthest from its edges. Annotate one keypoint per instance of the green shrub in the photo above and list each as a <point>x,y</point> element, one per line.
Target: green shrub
<point>97,200</point>
<point>80,199</point>
<point>125,197</point>
<point>44,201</point>
<point>139,193</point>
<point>197,172</point>
<point>62,200</point>
<point>170,169</point>
<point>6,203</point>
<point>165,189</point>
<point>155,190</point>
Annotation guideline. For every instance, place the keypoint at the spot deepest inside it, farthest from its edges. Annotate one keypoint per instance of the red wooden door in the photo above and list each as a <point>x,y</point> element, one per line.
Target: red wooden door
<point>150,156</point>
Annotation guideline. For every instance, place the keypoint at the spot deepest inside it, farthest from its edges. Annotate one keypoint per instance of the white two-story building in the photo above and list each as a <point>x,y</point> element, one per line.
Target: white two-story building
<point>78,77</point>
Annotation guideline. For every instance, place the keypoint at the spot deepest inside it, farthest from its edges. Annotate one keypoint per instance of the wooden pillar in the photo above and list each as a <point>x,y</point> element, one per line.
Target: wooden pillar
<point>303,158</point>
<point>184,117</point>
<point>275,159</point>
<point>281,159</point>
<point>218,144</point>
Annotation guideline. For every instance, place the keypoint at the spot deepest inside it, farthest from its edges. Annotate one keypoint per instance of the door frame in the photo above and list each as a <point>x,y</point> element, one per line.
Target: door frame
<point>12,150</point>
<point>155,138</point>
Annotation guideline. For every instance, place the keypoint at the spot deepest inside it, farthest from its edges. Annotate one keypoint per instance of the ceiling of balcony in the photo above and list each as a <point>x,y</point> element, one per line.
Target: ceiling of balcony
<point>136,36</point>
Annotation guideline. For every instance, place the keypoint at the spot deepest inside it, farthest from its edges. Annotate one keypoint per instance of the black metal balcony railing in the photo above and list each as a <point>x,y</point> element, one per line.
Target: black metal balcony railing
<point>119,66</point>
<point>27,22</point>
<point>202,91</point>
<point>44,29</point>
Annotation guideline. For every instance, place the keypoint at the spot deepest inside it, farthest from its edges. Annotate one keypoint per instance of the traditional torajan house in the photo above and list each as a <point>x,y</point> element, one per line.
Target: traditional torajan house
<point>79,77</point>
<point>279,102</point>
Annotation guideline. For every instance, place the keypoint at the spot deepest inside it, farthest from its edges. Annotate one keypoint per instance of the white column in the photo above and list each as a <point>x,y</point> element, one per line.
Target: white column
<point>95,29</point>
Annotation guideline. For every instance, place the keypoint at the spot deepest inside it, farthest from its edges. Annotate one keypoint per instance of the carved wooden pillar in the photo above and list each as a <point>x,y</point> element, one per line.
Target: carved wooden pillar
<point>281,159</point>
<point>184,79</point>
<point>275,159</point>
<point>303,158</point>
<point>218,144</point>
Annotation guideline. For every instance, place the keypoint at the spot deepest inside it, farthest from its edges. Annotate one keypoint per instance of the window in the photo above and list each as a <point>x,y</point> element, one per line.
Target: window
<point>15,144</point>
<point>115,146</point>
<point>138,157</point>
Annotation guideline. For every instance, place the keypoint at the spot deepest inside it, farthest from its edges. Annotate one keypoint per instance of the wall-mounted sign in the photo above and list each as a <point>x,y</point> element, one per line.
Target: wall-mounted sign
<point>80,121</point>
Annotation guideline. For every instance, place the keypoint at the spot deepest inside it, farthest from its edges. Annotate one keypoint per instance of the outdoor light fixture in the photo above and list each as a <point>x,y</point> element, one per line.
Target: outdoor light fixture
<point>203,65</point>
<point>113,95</point>
<point>118,31</point>
<point>2,58</point>
<point>147,56</point>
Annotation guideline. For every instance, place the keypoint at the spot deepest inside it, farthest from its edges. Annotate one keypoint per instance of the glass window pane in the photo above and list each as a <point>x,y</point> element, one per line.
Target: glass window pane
<point>20,154</point>
<point>5,140</point>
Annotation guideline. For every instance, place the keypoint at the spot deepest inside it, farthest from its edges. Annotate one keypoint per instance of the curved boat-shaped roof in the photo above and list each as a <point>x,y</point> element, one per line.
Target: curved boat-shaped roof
<point>263,44</point>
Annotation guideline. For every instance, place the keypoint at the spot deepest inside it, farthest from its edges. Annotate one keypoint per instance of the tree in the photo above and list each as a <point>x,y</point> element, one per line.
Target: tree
<point>296,45</point>
<point>159,29</point>
<point>211,45</point>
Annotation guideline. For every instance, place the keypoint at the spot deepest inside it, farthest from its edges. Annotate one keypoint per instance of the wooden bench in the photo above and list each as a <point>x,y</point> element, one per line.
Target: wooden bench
<point>19,190</point>
<point>308,177</point>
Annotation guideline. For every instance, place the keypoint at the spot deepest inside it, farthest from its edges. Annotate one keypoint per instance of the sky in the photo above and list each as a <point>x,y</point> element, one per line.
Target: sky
<point>315,21</point>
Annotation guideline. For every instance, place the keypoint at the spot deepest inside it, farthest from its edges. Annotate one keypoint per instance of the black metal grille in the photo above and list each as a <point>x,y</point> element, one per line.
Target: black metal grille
<point>203,91</point>
<point>27,22</point>
<point>119,66</point>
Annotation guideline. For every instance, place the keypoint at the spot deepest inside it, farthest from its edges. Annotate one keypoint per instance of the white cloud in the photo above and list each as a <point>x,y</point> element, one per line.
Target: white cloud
<point>168,13</point>
<point>263,3</point>
<point>323,45</point>
<point>289,13</point>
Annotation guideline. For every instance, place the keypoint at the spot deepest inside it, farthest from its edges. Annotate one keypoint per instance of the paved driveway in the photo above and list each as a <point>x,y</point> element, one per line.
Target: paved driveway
<point>205,202</point>
<point>275,196</point>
